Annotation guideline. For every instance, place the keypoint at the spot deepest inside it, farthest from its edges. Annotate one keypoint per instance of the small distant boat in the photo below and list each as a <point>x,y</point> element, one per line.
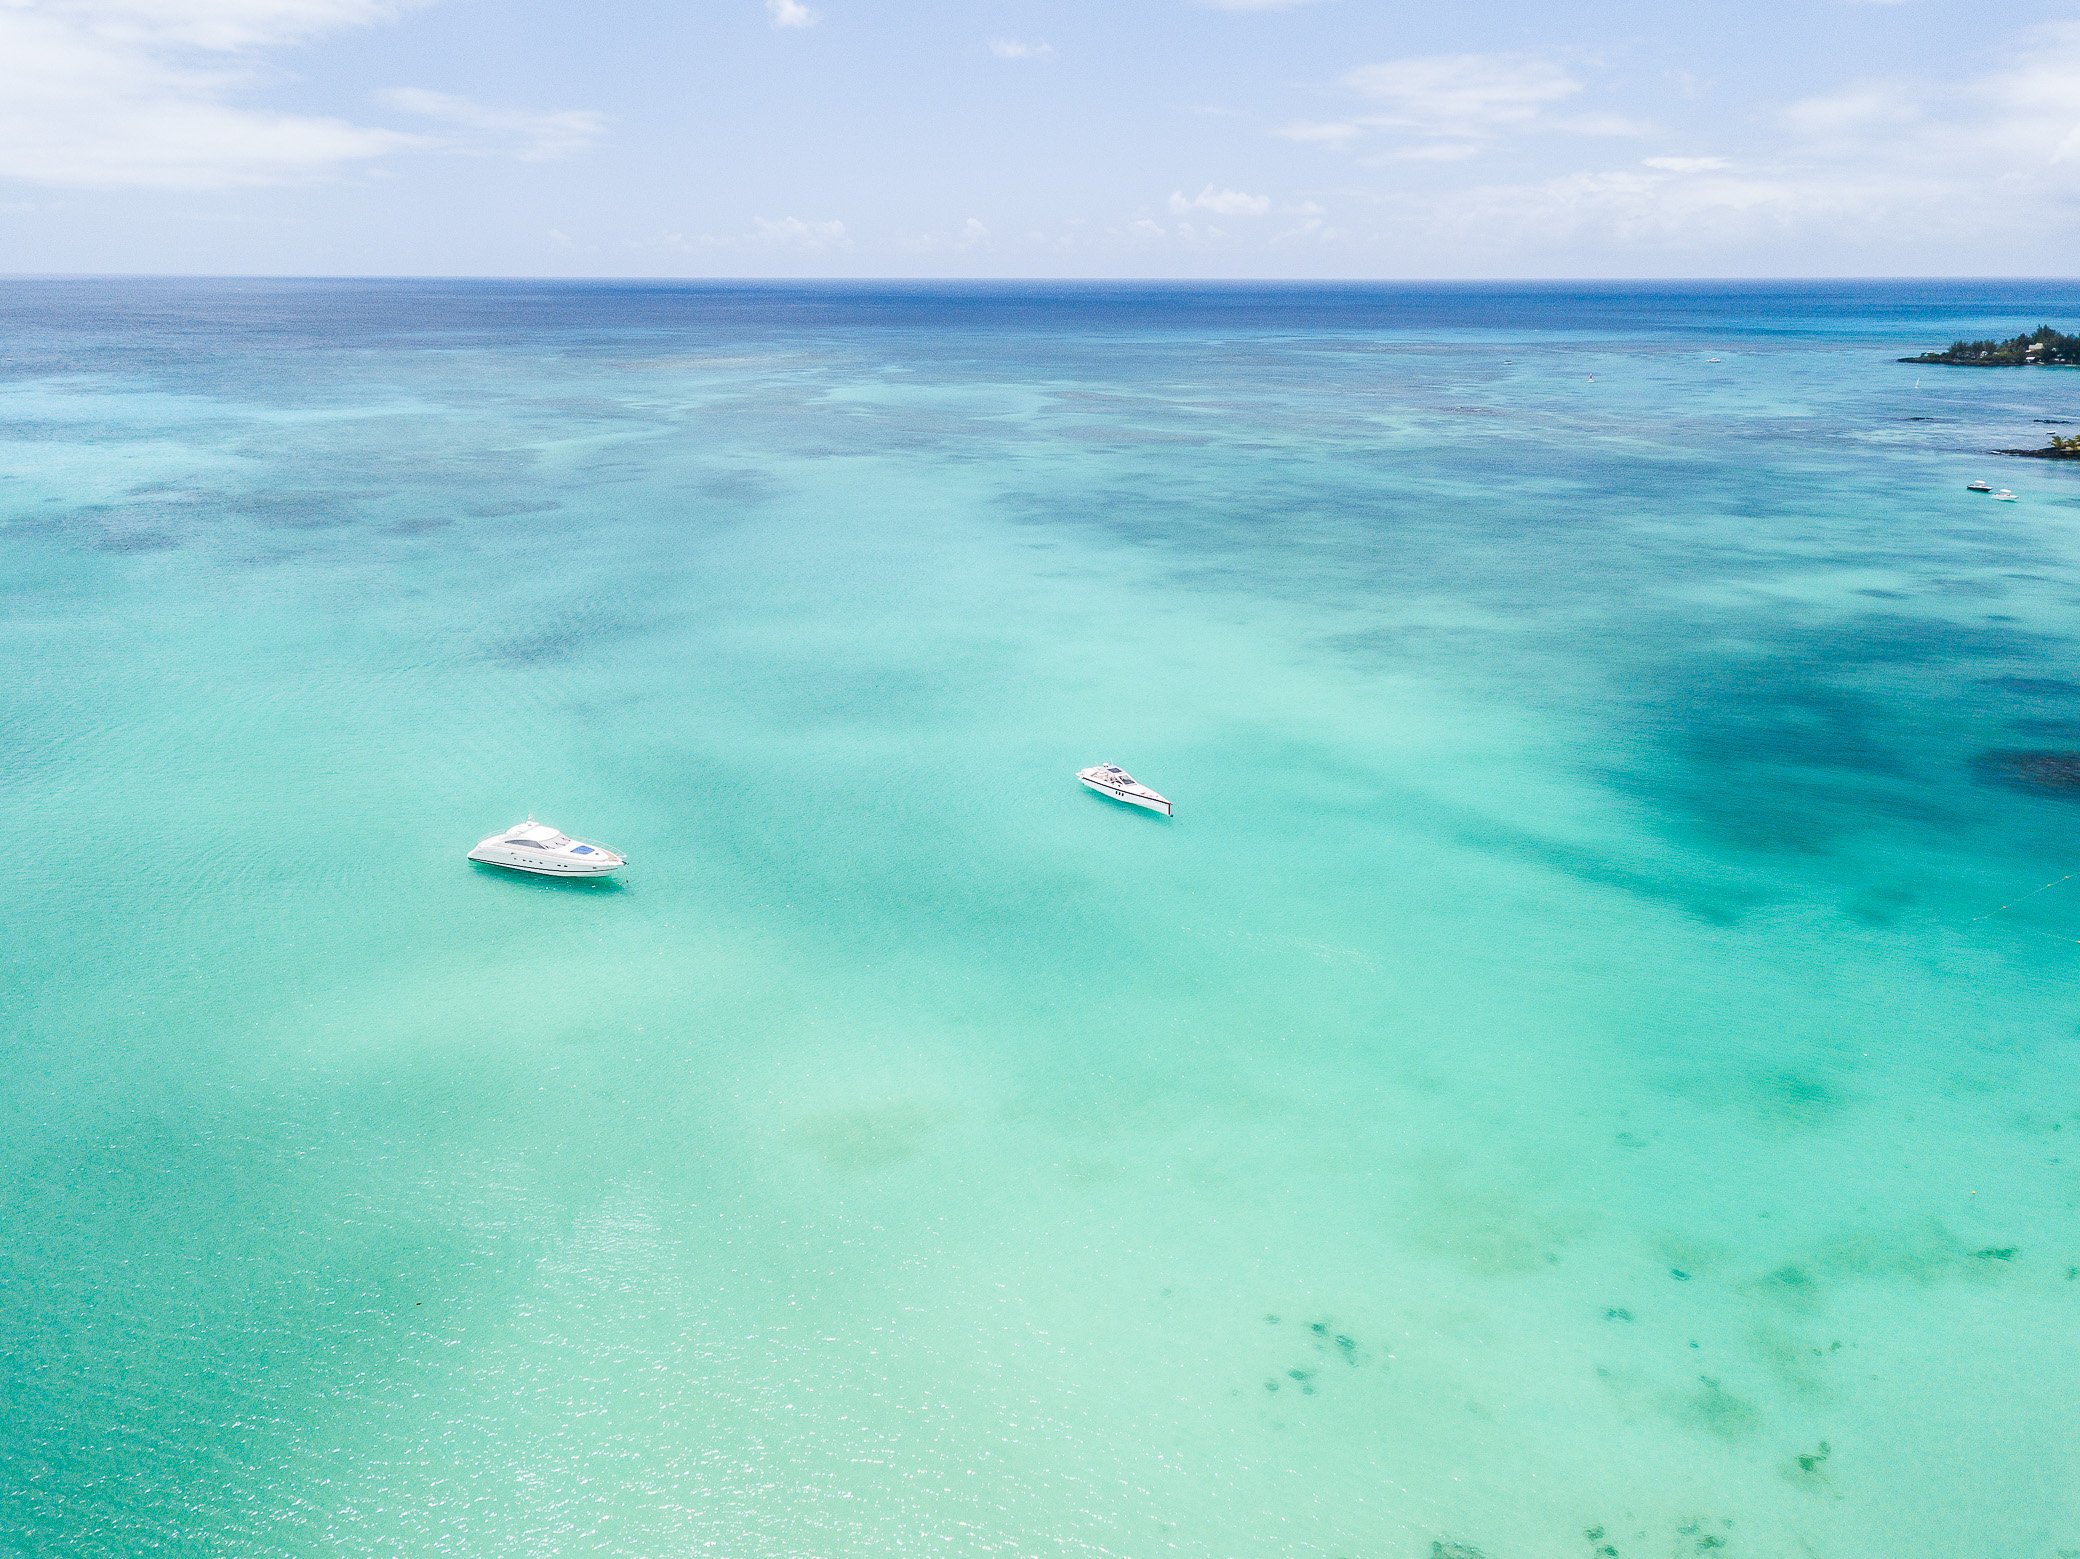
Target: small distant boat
<point>1109,779</point>
<point>1711,359</point>
<point>1978,487</point>
<point>536,847</point>
<point>2004,496</point>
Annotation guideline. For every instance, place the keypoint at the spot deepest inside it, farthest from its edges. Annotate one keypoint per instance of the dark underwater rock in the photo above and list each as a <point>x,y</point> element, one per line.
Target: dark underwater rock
<point>2056,771</point>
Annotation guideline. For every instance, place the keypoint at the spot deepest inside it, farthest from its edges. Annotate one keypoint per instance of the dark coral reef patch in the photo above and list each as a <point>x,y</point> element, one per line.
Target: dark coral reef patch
<point>2054,771</point>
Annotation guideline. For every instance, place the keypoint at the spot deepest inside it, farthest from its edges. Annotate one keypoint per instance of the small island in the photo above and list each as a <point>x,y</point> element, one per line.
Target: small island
<point>2058,449</point>
<point>2043,346</point>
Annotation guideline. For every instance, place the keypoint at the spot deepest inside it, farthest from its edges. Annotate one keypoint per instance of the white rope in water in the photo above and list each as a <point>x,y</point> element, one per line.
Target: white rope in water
<point>2068,877</point>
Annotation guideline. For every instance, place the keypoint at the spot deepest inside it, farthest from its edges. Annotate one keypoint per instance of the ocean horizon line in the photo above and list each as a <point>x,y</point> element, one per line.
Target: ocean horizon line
<point>1065,282</point>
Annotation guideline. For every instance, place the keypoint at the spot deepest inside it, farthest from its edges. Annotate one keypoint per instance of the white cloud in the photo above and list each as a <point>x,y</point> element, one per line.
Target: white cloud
<point>1599,123</point>
<point>140,93</point>
<point>794,233</point>
<point>1221,202</point>
<point>1311,225</point>
<point>1659,208</point>
<point>218,25</point>
<point>1949,161</point>
<point>1461,95</point>
<point>790,13</point>
<point>1442,107</point>
<point>1864,106</point>
<point>770,234</point>
<point>1337,133</point>
<point>971,235</point>
<point>1018,49</point>
<point>1428,151</point>
<point>534,137</point>
<point>1686,164</point>
<point>2009,136</point>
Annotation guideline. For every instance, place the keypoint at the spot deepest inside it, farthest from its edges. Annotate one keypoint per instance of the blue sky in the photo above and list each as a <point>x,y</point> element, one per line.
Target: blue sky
<point>1161,138</point>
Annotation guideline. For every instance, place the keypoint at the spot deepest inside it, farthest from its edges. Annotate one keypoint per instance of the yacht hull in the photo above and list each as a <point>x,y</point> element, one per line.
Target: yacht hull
<point>514,861</point>
<point>1149,802</point>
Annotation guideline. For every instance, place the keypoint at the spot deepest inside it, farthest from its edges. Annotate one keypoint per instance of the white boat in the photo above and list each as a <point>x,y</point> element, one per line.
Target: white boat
<point>1109,779</point>
<point>536,847</point>
<point>1978,487</point>
<point>2004,496</point>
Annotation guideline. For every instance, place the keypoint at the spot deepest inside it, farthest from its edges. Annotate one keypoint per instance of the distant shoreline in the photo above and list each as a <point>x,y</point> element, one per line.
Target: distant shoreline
<point>2041,348</point>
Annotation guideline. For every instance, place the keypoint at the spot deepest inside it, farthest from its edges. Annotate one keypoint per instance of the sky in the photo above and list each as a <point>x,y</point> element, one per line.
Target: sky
<point>1018,138</point>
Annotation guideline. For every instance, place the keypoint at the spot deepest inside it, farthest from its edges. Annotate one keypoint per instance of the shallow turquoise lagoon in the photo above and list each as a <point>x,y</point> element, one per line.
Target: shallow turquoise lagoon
<point>1562,1085</point>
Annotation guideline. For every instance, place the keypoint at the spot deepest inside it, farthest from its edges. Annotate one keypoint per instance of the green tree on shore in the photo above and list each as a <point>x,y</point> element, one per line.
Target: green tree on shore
<point>2043,345</point>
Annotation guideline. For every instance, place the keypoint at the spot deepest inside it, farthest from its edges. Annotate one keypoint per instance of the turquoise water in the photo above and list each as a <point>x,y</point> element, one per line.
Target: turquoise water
<point>1550,1090</point>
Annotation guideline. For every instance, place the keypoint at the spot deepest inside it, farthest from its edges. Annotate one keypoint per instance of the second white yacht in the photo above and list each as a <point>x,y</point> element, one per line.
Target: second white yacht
<point>536,847</point>
<point>1109,779</point>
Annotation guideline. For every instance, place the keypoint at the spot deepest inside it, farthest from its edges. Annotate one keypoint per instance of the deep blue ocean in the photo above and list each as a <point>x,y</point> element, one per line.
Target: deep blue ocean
<point>1587,1073</point>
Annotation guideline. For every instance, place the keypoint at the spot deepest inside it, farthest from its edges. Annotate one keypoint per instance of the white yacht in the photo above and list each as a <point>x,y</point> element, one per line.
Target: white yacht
<point>1978,487</point>
<point>536,847</point>
<point>2004,496</point>
<point>1109,779</point>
